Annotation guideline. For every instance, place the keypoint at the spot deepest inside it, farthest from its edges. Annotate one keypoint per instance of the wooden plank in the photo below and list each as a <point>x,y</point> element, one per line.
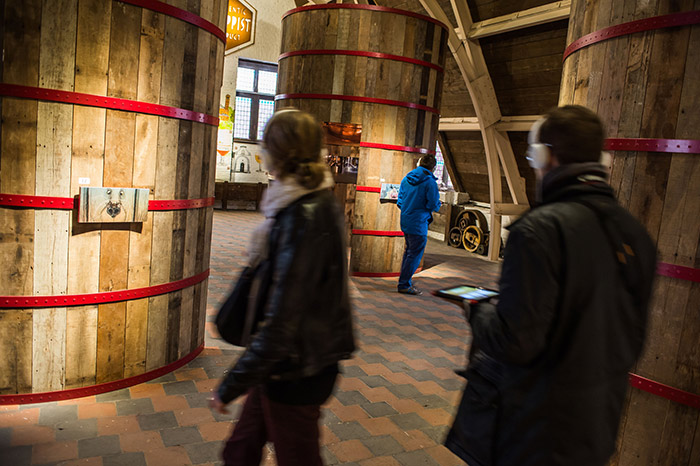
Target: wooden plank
<point>337,37</point>
<point>585,57</point>
<point>144,176</point>
<point>533,101</point>
<point>48,349</point>
<point>511,209</point>
<point>517,123</point>
<point>118,172</point>
<point>216,64</point>
<point>203,246</point>
<point>112,317</point>
<point>92,60</point>
<point>171,80</point>
<point>168,133</point>
<point>612,88</point>
<point>136,319</point>
<point>495,191</point>
<point>180,302</point>
<point>570,67</point>
<point>151,56</point>
<point>599,57</point>
<point>666,67</point>
<point>198,330</point>
<point>459,124</point>
<point>136,312</point>
<point>516,184</point>
<point>202,49</point>
<point>629,121</point>
<point>456,101</point>
<point>538,44</point>
<point>186,92</point>
<point>522,19</point>
<point>17,165</point>
<point>21,36</point>
<point>190,309</point>
<point>54,131</point>
<point>528,74</point>
<point>204,228</point>
<point>162,241</point>
<point>16,347</point>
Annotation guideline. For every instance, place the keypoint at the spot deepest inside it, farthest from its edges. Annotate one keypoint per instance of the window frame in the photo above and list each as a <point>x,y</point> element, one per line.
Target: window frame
<point>255,96</point>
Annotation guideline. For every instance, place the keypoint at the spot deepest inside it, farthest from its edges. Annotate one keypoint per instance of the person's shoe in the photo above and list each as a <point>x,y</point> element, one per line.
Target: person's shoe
<point>410,290</point>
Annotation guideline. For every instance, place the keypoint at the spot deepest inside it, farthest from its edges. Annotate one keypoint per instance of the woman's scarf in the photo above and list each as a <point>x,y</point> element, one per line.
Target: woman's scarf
<point>278,195</point>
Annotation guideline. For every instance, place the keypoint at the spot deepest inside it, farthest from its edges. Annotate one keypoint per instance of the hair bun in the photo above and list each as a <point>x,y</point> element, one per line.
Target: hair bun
<point>309,174</point>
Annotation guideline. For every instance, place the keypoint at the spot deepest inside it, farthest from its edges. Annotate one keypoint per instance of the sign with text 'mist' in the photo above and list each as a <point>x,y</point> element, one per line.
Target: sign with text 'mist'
<point>240,25</point>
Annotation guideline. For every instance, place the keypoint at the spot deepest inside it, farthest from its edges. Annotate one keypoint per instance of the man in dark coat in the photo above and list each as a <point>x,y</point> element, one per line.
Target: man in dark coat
<point>418,199</point>
<point>549,361</point>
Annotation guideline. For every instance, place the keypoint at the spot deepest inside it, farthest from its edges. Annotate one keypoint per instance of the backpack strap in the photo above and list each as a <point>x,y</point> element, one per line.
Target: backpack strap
<point>628,263</point>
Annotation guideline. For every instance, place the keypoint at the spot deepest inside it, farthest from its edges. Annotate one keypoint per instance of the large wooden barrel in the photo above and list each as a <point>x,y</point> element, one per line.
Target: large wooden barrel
<point>644,83</point>
<point>380,68</point>
<point>69,68</point>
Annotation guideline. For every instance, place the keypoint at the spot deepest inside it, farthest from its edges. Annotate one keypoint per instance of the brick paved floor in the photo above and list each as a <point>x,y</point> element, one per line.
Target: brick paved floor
<point>393,404</point>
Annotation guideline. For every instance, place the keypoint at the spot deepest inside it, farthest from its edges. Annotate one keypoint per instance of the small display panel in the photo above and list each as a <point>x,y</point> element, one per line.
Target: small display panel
<point>462,292</point>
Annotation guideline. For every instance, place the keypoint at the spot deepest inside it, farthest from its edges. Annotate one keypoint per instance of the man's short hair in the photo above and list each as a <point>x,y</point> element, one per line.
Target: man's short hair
<point>574,133</point>
<point>428,161</point>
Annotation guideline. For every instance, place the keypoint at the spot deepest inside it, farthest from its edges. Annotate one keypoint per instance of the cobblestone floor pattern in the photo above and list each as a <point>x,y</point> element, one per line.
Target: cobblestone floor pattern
<point>393,404</point>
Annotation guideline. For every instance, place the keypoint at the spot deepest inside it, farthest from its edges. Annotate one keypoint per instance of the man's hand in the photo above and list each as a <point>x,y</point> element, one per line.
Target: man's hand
<point>217,405</point>
<point>467,307</point>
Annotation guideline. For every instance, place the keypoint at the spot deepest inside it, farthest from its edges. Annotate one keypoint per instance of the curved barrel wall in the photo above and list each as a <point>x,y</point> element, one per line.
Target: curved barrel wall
<point>383,69</point>
<point>639,69</point>
<point>104,93</point>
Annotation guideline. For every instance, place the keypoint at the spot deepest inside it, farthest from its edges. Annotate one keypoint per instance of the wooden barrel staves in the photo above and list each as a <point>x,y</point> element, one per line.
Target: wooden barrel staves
<point>637,64</point>
<point>105,94</point>
<point>380,68</point>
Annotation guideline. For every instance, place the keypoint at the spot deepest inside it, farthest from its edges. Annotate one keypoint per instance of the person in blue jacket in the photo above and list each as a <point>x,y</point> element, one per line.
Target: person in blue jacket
<point>418,199</point>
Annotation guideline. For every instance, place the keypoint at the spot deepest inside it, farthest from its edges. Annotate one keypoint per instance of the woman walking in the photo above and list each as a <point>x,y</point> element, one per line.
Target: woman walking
<point>290,364</point>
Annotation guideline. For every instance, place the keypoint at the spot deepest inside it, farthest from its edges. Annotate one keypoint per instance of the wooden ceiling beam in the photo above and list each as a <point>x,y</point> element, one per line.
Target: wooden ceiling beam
<point>459,124</point>
<point>517,123</point>
<point>512,209</point>
<point>520,20</point>
<point>506,123</point>
<point>472,65</point>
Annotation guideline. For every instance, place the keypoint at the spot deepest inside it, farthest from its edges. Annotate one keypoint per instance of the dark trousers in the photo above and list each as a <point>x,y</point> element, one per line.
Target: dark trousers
<point>412,254</point>
<point>292,429</point>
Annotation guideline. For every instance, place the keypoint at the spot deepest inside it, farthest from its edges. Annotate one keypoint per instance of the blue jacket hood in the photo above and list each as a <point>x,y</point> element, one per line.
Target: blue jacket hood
<point>419,175</point>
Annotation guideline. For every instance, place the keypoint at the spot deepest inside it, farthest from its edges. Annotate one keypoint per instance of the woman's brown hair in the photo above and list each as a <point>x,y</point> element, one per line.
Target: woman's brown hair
<point>293,141</point>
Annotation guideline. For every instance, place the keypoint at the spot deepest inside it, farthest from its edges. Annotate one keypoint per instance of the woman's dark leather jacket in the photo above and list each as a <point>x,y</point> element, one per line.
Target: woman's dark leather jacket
<point>303,293</point>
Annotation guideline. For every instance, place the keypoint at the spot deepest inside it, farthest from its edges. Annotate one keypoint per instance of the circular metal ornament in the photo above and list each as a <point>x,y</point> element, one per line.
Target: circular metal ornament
<point>454,238</point>
<point>472,238</point>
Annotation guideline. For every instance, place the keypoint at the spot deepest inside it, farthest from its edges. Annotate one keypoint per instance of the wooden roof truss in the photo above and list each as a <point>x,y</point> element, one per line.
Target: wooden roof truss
<point>499,153</point>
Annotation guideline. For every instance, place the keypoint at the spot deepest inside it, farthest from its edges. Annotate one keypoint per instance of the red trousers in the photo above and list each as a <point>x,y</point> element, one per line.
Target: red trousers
<point>292,429</point>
